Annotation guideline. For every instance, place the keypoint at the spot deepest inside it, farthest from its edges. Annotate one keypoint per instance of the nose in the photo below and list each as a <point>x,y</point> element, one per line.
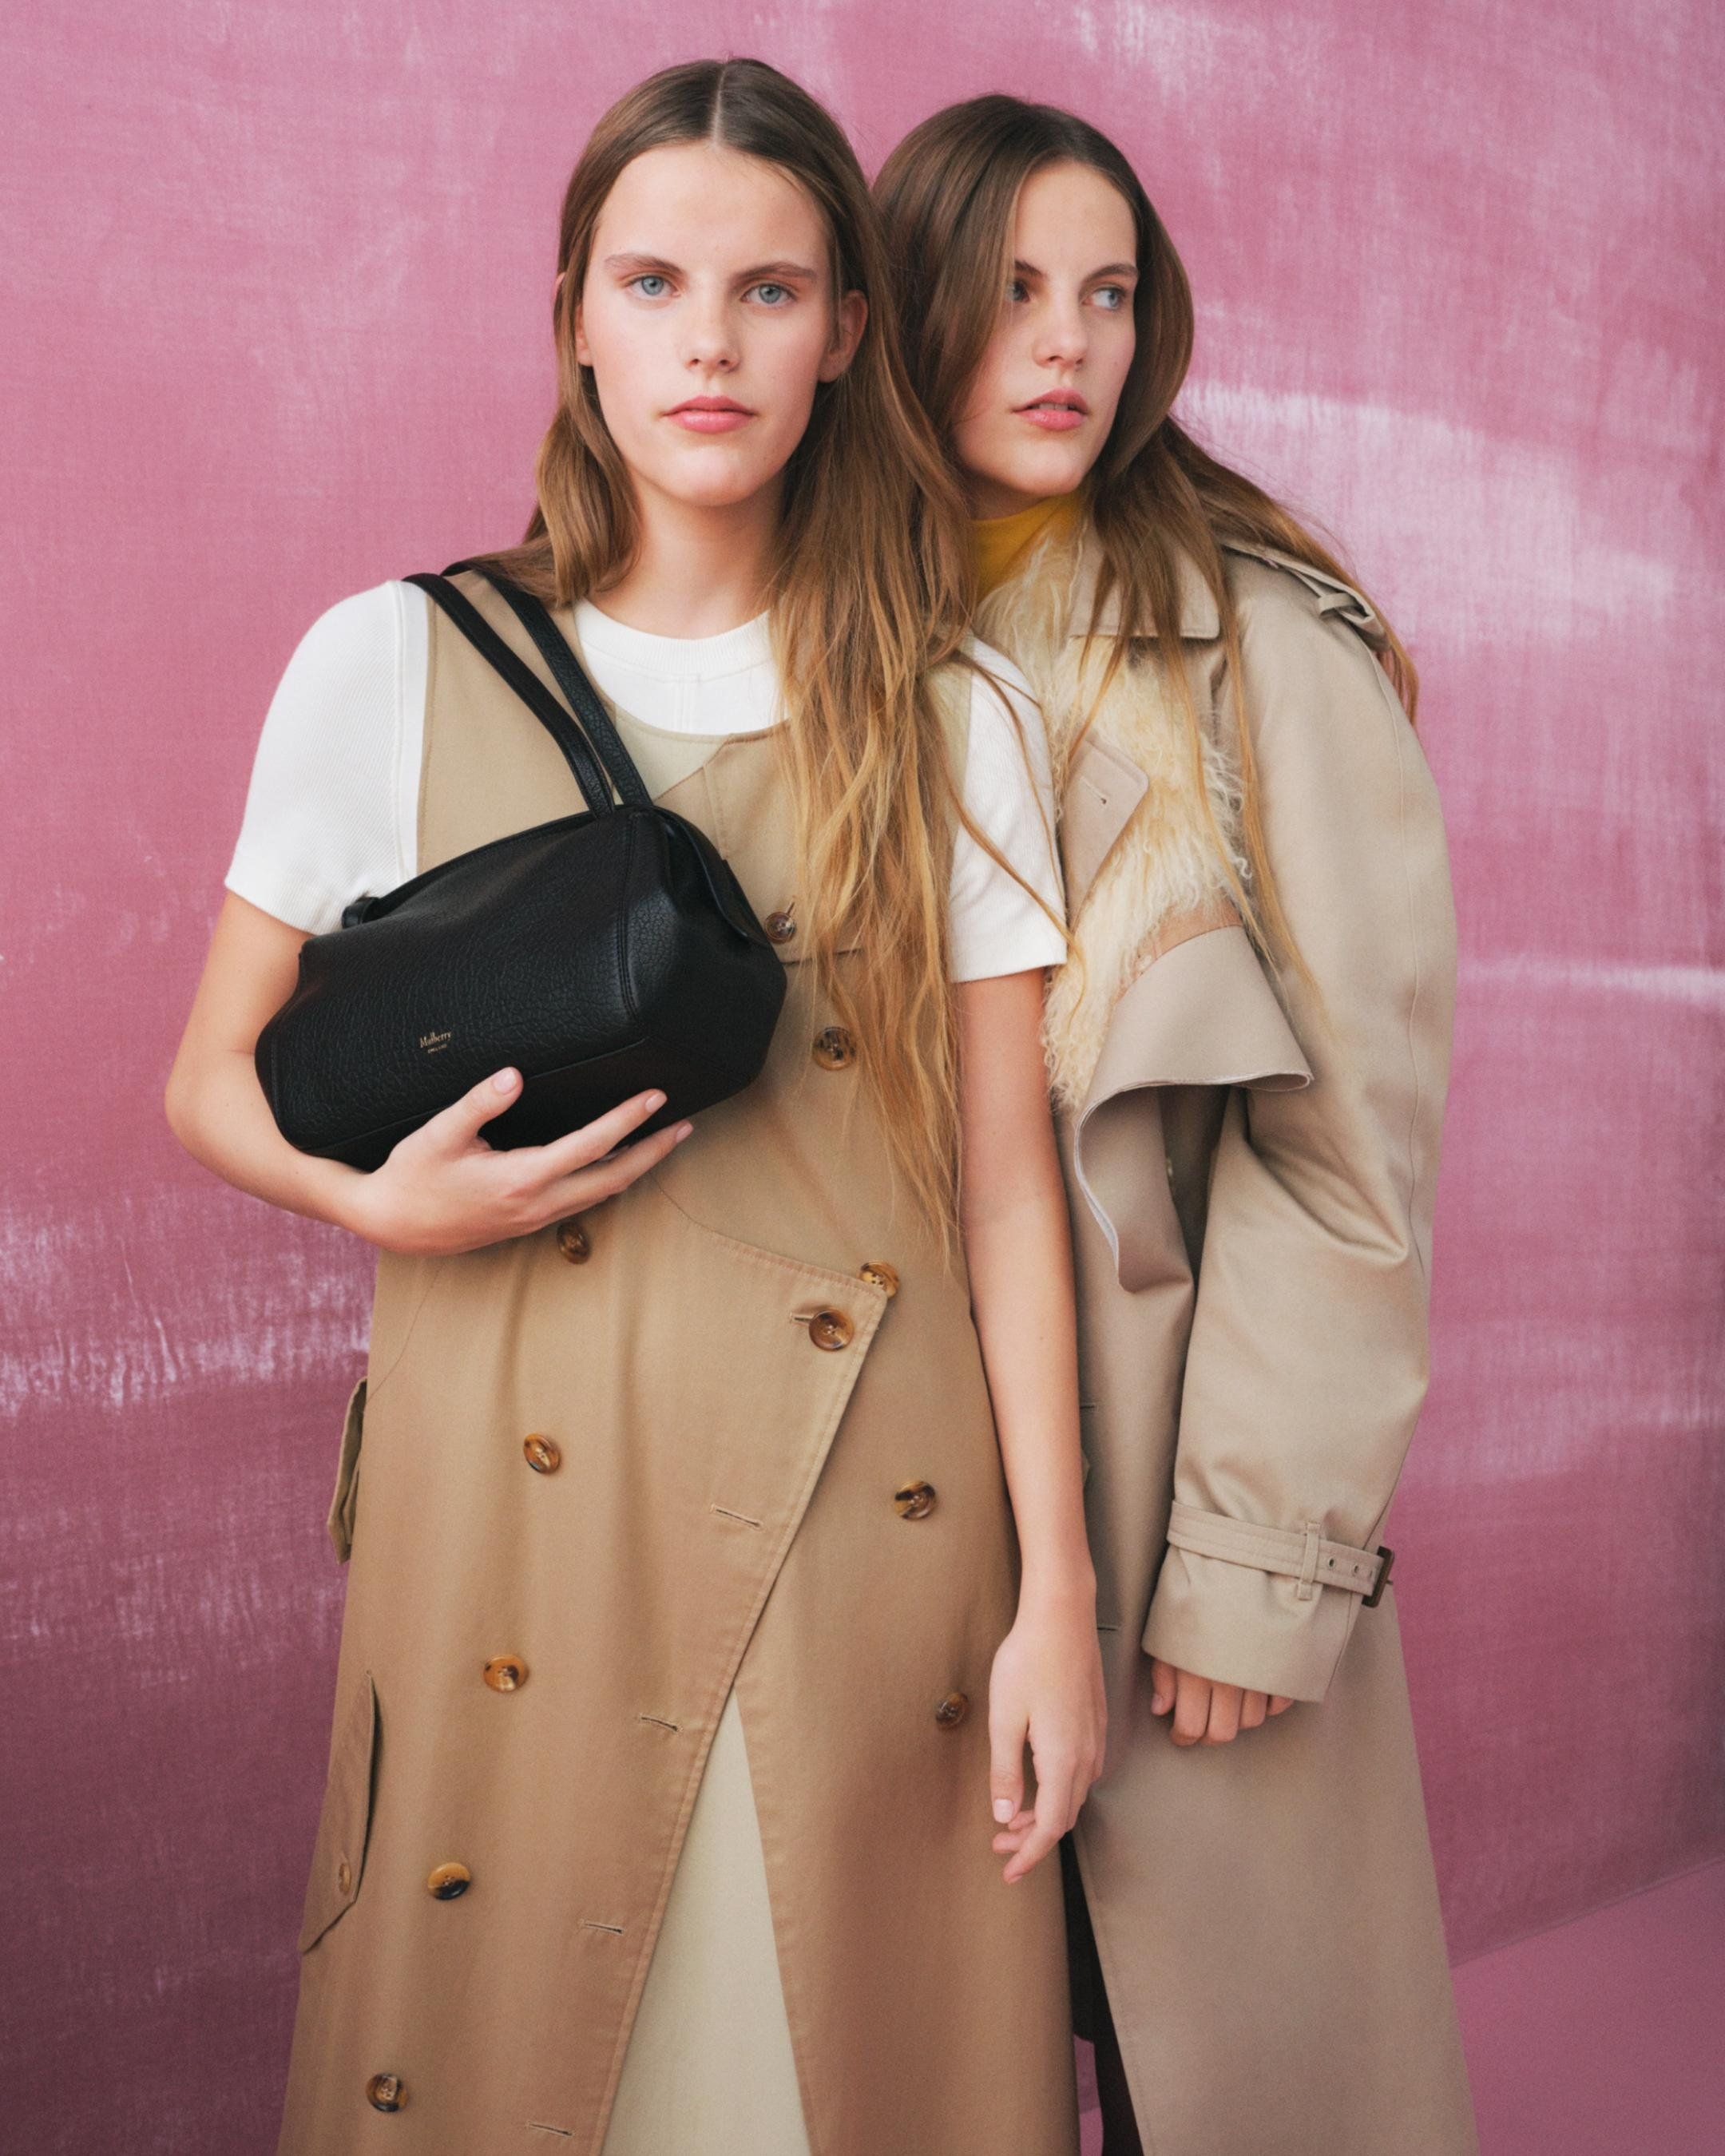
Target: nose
<point>1062,338</point>
<point>710,334</point>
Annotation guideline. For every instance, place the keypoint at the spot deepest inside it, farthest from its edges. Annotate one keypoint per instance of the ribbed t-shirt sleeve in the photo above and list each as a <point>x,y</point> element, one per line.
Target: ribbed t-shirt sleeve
<point>997,927</point>
<point>324,821</point>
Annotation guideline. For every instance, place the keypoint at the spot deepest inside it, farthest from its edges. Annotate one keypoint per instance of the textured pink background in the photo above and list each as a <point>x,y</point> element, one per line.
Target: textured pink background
<point>277,330</point>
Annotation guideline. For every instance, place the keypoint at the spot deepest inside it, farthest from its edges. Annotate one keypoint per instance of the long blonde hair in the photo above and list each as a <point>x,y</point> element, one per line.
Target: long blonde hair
<point>868,591</point>
<point>948,195</point>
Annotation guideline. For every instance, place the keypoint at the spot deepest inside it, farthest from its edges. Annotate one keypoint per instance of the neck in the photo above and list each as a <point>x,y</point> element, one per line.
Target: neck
<point>698,570</point>
<point>990,499</point>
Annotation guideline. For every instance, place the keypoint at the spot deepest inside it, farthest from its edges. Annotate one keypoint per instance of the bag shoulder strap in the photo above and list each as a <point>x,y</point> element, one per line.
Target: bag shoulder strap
<point>572,743</point>
<point>566,670</point>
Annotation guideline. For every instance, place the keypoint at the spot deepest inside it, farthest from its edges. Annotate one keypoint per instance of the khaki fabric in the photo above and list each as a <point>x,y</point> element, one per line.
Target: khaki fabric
<point>720,1538</point>
<point>1251,1175</point>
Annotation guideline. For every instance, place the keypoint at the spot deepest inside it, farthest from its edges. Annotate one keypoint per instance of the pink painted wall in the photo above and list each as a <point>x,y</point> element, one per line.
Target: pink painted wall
<point>278,278</point>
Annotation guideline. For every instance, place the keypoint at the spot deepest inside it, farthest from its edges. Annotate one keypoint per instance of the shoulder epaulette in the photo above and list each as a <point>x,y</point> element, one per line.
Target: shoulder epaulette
<point>1334,594</point>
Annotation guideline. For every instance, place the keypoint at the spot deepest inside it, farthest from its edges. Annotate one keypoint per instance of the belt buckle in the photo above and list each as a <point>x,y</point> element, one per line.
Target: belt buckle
<point>1376,1596</point>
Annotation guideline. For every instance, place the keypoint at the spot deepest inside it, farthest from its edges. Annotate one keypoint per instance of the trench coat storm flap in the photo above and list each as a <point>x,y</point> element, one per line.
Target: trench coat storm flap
<point>1251,1172</point>
<point>596,1481</point>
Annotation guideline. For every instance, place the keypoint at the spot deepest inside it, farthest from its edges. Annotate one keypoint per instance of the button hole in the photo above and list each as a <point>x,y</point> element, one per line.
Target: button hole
<point>728,1514</point>
<point>539,2126</point>
<point>658,1722</point>
<point>1102,1627</point>
<point>592,1924</point>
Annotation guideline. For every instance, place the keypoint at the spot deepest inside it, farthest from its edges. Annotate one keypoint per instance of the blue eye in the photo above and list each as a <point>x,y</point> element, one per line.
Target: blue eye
<point>784,290</point>
<point>1015,288</point>
<point>1117,295</point>
<point>648,277</point>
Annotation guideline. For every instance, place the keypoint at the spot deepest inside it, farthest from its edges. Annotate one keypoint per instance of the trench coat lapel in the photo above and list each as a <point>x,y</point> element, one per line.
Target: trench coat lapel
<point>1104,786</point>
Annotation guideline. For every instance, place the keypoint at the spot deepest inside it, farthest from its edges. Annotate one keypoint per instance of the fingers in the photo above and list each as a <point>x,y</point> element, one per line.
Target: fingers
<point>592,1186</point>
<point>458,1125</point>
<point>1006,1768</point>
<point>1207,1713</point>
<point>1056,1809</point>
<point>592,1141</point>
<point>1192,1707</point>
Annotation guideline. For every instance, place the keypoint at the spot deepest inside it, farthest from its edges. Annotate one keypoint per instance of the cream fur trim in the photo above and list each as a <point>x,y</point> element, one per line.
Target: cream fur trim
<point>1165,863</point>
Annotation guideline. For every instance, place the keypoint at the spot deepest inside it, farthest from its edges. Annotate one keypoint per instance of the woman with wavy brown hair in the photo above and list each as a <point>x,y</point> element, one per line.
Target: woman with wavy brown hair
<point>1247,1045</point>
<point>712,1503</point>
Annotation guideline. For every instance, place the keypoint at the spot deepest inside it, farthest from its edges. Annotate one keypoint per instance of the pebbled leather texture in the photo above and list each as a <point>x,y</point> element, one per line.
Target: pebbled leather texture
<point>599,953</point>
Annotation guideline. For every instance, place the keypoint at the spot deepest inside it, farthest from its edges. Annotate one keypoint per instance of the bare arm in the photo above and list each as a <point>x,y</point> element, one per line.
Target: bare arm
<point>1047,1683</point>
<point>442,1190</point>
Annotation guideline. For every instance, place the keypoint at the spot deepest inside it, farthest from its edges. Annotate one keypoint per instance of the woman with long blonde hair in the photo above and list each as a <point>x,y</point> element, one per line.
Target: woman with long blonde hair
<point>711,1502</point>
<point>1248,1048</point>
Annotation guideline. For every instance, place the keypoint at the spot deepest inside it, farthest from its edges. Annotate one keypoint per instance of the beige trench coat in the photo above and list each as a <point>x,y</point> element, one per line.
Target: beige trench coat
<point>1252,1186</point>
<point>596,1477</point>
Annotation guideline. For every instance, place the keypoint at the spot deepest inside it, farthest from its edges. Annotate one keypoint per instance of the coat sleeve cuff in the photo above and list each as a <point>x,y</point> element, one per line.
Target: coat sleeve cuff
<point>1269,1609</point>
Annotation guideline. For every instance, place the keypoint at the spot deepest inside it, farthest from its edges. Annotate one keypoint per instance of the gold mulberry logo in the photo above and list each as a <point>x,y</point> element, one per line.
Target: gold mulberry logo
<point>433,1043</point>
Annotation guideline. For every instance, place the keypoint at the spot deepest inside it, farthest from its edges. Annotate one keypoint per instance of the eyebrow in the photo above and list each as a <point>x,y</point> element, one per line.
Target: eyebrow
<point>1107,269</point>
<point>783,272</point>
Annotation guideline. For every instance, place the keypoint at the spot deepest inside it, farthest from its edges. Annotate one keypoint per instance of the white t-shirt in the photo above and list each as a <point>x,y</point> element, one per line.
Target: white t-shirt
<point>332,808</point>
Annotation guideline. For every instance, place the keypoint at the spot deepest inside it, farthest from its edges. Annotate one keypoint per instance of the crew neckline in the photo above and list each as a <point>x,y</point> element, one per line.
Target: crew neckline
<point>675,658</point>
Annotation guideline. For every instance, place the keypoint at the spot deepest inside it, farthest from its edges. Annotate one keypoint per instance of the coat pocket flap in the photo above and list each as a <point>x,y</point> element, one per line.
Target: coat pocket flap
<point>342,1505</point>
<point>339,1857</point>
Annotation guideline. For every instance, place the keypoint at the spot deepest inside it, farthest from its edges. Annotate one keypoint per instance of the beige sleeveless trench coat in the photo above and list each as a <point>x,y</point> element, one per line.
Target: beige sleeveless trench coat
<point>596,1478</point>
<point>1251,1166</point>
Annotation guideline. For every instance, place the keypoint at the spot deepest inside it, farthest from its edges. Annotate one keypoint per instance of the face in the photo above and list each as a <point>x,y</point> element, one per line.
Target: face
<point>708,317</point>
<point>1040,405</point>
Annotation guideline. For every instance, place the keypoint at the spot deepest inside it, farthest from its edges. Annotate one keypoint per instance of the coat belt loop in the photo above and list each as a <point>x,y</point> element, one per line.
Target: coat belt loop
<point>1308,1563</point>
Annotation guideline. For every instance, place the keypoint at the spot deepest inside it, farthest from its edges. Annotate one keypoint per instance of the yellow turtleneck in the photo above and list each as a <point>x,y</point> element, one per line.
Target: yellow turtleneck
<point>1001,542</point>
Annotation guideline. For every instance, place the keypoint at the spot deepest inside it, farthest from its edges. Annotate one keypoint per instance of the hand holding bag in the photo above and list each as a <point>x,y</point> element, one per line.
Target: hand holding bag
<point>600,954</point>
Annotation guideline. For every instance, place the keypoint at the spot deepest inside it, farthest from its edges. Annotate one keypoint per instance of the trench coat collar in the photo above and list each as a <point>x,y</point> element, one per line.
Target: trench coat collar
<point>1200,621</point>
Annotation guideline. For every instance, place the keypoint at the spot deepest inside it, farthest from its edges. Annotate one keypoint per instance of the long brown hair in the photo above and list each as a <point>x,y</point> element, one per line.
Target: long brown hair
<point>869,592</point>
<point>948,195</point>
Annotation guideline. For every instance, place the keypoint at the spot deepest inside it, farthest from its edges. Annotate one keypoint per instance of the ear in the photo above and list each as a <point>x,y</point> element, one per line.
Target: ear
<point>583,355</point>
<point>852,314</point>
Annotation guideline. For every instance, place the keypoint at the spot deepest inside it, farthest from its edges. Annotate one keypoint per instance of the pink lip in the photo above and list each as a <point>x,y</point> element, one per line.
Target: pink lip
<point>710,415</point>
<point>1066,410</point>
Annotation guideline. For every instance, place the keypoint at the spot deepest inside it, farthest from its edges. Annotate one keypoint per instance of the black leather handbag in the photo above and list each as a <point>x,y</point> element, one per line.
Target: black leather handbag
<point>600,954</point>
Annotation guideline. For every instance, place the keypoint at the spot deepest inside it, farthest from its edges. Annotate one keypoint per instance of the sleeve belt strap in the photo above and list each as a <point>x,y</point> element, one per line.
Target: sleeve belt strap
<point>1300,1553</point>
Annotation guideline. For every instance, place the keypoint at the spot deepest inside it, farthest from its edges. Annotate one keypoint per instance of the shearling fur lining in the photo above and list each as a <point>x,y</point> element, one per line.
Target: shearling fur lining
<point>1165,863</point>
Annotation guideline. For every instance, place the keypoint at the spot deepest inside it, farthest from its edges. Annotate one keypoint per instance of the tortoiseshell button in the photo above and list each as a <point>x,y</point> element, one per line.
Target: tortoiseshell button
<point>878,1274</point>
<point>449,1882</point>
<point>544,1455</point>
<point>385,2093</point>
<point>573,1241</point>
<point>779,927</point>
<point>506,1673</point>
<point>952,1710</point>
<point>834,1047</point>
<point>830,1328</point>
<point>344,1878</point>
<point>915,1499</point>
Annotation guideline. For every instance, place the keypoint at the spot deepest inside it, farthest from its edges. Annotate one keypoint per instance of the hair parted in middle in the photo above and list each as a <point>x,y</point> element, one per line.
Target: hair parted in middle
<point>868,594</point>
